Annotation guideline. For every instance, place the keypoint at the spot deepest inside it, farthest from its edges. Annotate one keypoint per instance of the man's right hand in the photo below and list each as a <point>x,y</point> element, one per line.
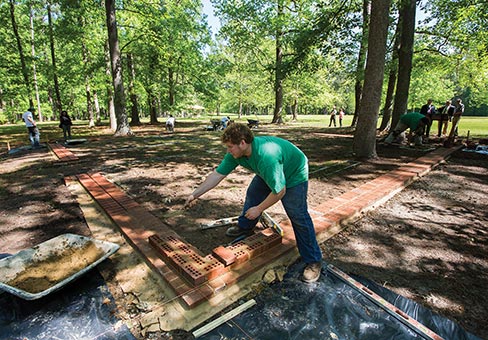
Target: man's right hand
<point>189,201</point>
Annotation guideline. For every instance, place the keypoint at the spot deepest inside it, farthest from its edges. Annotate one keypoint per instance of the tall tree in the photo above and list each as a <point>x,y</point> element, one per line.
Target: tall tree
<point>57,99</point>
<point>364,143</point>
<point>123,127</point>
<point>405,55</point>
<point>358,86</point>
<point>109,87</point>
<point>278,73</point>
<point>34,70</point>
<point>134,112</point>
<point>392,76</point>
<point>25,71</point>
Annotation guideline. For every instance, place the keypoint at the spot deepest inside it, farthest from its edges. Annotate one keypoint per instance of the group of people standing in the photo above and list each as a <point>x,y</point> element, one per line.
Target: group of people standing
<point>34,134</point>
<point>420,123</point>
<point>333,114</point>
<point>447,113</point>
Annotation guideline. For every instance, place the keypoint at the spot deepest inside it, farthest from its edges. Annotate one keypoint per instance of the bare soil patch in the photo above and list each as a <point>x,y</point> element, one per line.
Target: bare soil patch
<point>429,243</point>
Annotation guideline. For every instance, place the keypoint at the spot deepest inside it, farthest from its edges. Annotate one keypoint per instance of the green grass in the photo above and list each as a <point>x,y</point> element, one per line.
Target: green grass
<point>477,127</point>
<point>16,133</point>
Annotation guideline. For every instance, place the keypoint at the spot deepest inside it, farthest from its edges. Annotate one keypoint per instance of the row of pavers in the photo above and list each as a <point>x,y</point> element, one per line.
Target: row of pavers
<point>62,153</point>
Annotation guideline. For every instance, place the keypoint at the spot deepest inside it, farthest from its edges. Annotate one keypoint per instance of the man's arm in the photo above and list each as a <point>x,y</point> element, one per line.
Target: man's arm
<point>31,120</point>
<point>254,212</point>
<point>210,182</point>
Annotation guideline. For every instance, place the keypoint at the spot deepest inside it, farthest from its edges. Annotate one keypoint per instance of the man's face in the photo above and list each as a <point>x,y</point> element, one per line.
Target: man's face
<point>236,150</point>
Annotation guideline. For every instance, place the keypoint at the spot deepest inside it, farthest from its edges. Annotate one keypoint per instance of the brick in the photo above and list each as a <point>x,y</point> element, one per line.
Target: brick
<point>195,297</point>
<point>322,224</point>
<point>195,268</point>
<point>217,284</point>
<point>224,255</point>
<point>62,153</point>
<point>182,288</point>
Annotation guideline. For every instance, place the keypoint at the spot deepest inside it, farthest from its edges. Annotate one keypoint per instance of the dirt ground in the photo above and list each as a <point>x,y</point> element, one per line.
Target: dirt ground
<point>429,243</point>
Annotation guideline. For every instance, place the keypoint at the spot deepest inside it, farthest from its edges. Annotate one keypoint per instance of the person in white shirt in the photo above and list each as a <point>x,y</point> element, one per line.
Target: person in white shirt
<point>170,123</point>
<point>30,123</point>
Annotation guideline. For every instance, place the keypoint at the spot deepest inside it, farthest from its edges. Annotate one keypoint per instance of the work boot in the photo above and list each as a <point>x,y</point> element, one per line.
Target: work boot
<point>311,273</point>
<point>236,231</point>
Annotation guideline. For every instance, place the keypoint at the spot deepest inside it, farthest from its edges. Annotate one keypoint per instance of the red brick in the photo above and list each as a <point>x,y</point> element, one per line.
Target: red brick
<point>224,255</point>
<point>322,224</point>
<point>182,288</point>
<point>195,268</point>
<point>217,284</point>
<point>195,297</point>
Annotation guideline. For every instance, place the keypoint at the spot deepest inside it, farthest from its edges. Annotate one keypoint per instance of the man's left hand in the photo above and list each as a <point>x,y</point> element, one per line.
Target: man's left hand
<point>253,213</point>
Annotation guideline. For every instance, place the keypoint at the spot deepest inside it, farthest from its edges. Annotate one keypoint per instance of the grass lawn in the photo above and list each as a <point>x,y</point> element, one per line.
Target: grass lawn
<point>15,134</point>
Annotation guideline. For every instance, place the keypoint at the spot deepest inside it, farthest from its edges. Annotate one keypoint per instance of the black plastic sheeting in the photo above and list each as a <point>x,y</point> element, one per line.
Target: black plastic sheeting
<point>329,309</point>
<point>78,311</point>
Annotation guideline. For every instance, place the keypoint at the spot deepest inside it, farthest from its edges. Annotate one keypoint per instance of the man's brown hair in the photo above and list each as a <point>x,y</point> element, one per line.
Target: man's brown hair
<point>236,132</point>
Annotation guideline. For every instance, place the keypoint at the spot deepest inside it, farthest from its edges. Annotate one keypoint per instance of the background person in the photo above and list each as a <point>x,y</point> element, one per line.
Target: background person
<point>446,111</point>
<point>65,124</point>
<point>428,110</point>
<point>170,123</point>
<point>414,121</point>
<point>225,121</point>
<point>333,113</point>
<point>31,125</point>
<point>341,116</point>
<point>281,174</point>
<point>456,117</point>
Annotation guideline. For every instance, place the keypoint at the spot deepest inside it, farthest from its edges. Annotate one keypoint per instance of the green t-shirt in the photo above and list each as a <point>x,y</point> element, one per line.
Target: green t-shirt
<point>277,161</point>
<point>412,120</point>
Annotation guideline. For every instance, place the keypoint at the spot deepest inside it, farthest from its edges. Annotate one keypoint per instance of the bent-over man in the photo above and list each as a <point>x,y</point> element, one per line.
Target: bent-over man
<point>414,121</point>
<point>281,174</point>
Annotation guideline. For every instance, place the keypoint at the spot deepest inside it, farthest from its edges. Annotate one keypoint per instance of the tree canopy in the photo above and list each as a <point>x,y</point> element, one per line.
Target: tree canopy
<point>277,57</point>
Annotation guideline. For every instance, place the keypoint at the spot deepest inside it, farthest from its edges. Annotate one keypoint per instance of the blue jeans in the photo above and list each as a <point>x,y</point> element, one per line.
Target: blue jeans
<point>34,136</point>
<point>295,204</point>
<point>66,131</point>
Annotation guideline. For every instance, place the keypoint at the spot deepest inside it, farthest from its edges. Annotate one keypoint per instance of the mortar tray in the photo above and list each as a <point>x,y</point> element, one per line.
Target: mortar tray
<point>19,263</point>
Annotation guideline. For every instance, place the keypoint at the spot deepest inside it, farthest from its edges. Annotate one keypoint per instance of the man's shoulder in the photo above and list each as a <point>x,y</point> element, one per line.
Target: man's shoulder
<point>265,139</point>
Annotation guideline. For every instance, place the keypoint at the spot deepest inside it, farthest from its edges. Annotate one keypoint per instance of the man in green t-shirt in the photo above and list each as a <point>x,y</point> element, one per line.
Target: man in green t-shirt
<point>281,174</point>
<point>414,121</point>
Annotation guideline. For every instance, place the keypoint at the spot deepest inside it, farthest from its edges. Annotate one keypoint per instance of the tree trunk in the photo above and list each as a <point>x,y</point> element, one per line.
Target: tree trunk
<point>152,101</point>
<point>364,144</point>
<point>388,108</point>
<point>358,87</point>
<point>405,55</point>
<point>34,71</point>
<point>294,109</point>
<point>171,87</point>
<point>25,72</point>
<point>123,128</point>
<point>50,100</point>
<point>110,91</point>
<point>134,112</point>
<point>278,85</point>
<point>97,106</point>
<point>86,60</point>
<point>57,99</point>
